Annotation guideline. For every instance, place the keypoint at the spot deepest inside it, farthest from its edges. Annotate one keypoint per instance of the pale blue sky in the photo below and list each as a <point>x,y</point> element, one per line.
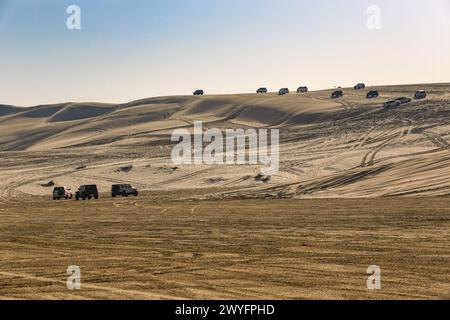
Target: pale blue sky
<point>133,49</point>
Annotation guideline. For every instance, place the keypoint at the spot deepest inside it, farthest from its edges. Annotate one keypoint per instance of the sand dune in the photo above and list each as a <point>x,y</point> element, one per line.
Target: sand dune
<point>350,147</point>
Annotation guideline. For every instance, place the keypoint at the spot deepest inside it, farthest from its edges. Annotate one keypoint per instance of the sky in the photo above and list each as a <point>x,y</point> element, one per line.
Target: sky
<point>127,50</point>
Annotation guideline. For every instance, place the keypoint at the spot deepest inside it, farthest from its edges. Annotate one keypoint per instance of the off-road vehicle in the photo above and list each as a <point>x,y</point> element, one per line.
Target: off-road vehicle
<point>372,94</point>
<point>391,104</point>
<point>337,94</point>
<point>123,190</point>
<point>62,193</point>
<point>199,93</point>
<point>283,91</point>
<point>404,100</point>
<point>302,90</point>
<point>87,192</point>
<point>261,90</point>
<point>360,86</point>
<point>421,94</point>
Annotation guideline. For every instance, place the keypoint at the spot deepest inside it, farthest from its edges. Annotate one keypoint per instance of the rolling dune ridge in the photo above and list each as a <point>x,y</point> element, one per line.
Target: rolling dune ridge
<point>349,147</point>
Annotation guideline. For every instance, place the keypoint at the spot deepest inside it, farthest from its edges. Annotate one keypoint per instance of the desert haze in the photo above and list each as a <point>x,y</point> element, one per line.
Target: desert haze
<point>358,185</point>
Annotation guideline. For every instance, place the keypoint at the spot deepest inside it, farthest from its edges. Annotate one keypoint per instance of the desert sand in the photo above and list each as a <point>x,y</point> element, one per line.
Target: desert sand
<point>346,148</point>
<point>139,248</point>
<point>358,185</point>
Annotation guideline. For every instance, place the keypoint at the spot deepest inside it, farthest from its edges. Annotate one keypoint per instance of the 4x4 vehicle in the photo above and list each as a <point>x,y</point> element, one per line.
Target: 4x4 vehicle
<point>391,104</point>
<point>337,94</point>
<point>302,90</point>
<point>62,193</point>
<point>261,90</point>
<point>360,86</point>
<point>372,94</point>
<point>199,93</point>
<point>421,94</point>
<point>123,190</point>
<point>283,91</point>
<point>404,100</point>
<point>87,192</point>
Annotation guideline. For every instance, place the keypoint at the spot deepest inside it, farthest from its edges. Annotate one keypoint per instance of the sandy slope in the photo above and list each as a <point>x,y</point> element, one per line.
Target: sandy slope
<point>349,147</point>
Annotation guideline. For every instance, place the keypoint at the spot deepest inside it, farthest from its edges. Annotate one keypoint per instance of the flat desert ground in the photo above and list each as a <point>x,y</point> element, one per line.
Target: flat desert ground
<point>358,185</point>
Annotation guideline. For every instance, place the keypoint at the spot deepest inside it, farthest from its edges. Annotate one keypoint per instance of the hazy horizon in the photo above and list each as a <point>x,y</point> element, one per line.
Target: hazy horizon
<point>127,51</point>
<point>213,94</point>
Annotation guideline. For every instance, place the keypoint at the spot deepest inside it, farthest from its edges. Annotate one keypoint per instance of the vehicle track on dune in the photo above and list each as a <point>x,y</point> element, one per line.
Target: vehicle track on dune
<point>433,137</point>
<point>9,192</point>
<point>368,159</point>
<point>436,139</point>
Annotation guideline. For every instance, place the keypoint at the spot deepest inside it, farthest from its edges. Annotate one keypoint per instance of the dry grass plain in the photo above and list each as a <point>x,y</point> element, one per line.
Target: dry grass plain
<point>139,248</point>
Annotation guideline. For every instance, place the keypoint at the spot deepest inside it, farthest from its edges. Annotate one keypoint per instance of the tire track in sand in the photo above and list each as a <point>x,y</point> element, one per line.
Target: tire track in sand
<point>142,294</point>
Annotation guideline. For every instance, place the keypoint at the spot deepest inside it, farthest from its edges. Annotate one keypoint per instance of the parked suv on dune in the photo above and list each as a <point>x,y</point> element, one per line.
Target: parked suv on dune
<point>87,192</point>
<point>372,94</point>
<point>360,86</point>
<point>62,193</point>
<point>302,90</point>
<point>403,100</point>
<point>421,94</point>
<point>391,104</point>
<point>123,190</point>
<point>283,91</point>
<point>261,90</point>
<point>337,94</point>
<point>199,93</point>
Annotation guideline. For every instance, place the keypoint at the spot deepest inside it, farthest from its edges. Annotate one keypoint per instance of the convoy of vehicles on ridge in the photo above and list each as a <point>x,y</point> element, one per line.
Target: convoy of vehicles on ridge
<point>420,94</point>
<point>87,192</point>
<point>90,191</point>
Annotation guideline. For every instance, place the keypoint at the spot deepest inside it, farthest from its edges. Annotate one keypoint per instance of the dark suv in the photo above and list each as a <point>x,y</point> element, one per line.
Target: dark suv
<point>360,86</point>
<point>337,94</point>
<point>404,100</point>
<point>421,94</point>
<point>199,93</point>
<point>372,94</point>
<point>87,192</point>
<point>261,90</point>
<point>123,190</point>
<point>283,91</point>
<point>302,90</point>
